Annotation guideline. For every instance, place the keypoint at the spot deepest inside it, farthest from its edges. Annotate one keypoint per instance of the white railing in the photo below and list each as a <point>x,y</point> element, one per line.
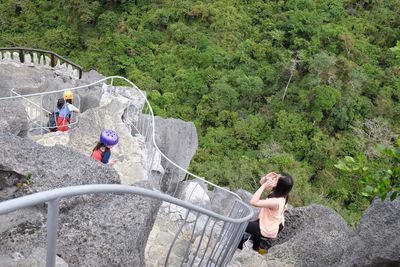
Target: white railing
<point>39,107</point>
<point>218,248</point>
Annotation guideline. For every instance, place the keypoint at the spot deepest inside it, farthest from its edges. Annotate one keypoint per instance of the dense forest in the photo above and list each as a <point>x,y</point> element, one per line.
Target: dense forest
<point>296,85</point>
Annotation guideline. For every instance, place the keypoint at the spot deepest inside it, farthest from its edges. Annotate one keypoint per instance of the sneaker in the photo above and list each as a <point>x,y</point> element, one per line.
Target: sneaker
<point>262,251</point>
<point>248,244</point>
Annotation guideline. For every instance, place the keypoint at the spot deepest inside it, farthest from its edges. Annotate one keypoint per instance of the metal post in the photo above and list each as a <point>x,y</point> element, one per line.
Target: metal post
<point>21,56</point>
<point>52,60</point>
<point>52,225</point>
<point>41,114</point>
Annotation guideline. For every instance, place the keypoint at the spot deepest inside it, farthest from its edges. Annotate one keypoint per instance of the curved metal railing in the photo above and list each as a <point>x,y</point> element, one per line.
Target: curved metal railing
<point>40,56</point>
<point>52,198</point>
<point>184,185</point>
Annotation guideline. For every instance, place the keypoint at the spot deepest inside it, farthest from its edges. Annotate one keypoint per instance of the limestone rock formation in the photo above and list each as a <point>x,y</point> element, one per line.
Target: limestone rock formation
<point>130,152</point>
<point>102,230</point>
<point>13,118</point>
<point>24,79</point>
<point>324,231</point>
<point>92,76</point>
<point>89,98</point>
<point>52,139</point>
<point>88,224</point>
<point>51,167</point>
<point>178,141</point>
<point>105,231</point>
<point>377,241</point>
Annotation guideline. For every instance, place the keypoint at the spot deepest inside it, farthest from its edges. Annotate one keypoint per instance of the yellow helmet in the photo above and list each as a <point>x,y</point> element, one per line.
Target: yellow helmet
<point>68,95</point>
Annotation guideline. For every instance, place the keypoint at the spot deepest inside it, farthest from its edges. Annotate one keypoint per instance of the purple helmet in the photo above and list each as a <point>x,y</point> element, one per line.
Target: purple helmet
<point>109,137</point>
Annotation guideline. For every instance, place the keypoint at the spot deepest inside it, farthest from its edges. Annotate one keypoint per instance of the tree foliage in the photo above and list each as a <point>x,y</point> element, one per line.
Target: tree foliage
<point>380,175</point>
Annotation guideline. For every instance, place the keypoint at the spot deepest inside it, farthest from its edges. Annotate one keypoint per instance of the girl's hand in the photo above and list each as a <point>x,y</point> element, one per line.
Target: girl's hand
<point>270,183</point>
<point>269,176</point>
<point>111,162</point>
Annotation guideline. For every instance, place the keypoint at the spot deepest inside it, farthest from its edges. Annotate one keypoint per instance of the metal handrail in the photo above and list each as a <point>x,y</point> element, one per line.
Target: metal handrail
<point>29,101</point>
<point>54,196</point>
<point>70,191</point>
<point>53,56</point>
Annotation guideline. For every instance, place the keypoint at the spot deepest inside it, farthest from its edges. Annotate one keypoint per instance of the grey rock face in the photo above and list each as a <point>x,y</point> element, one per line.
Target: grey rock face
<point>89,98</point>
<point>130,152</point>
<point>24,80</point>
<point>13,118</point>
<point>7,182</point>
<point>49,101</point>
<point>378,236</point>
<point>246,196</point>
<point>5,87</point>
<point>84,98</point>
<point>178,141</point>
<point>92,76</point>
<point>29,80</point>
<point>51,167</point>
<point>13,219</point>
<point>23,231</point>
<point>108,230</point>
<point>103,230</point>
<point>314,236</point>
<point>36,259</point>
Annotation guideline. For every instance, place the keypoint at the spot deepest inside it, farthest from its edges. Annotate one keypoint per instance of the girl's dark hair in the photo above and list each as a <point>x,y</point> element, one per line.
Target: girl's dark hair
<point>98,145</point>
<point>60,103</point>
<point>69,101</point>
<point>283,187</point>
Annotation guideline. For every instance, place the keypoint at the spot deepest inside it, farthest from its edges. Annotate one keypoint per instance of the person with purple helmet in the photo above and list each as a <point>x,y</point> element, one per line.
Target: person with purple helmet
<point>102,150</point>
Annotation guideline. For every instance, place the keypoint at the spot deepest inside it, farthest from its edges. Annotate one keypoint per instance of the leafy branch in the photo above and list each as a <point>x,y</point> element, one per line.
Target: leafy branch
<point>380,176</point>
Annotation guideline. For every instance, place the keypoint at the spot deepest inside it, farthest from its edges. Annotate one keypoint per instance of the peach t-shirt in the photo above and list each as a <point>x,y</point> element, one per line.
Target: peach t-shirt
<point>271,219</point>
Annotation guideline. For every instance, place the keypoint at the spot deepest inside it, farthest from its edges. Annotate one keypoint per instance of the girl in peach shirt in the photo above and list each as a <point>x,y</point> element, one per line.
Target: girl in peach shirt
<point>271,218</point>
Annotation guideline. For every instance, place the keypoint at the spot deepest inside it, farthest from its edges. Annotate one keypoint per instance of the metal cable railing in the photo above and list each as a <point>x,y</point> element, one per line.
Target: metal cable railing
<point>212,242</point>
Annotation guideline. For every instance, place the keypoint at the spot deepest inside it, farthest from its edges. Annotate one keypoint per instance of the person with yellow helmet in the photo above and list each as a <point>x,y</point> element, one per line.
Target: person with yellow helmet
<point>65,112</point>
<point>68,95</point>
